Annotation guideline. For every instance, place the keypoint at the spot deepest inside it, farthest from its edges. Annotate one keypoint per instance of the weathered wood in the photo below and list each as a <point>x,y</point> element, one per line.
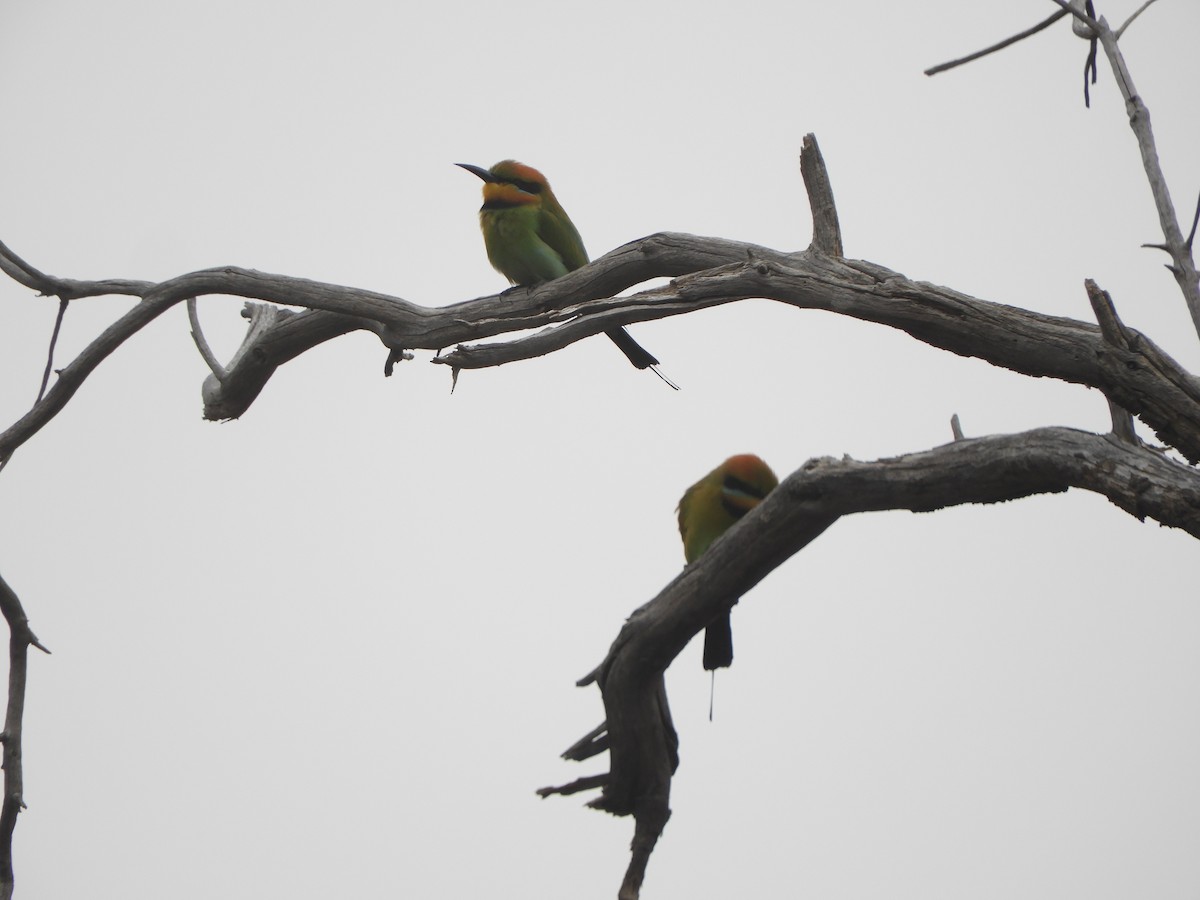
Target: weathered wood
<point>643,746</point>
<point>707,271</point>
<point>21,637</point>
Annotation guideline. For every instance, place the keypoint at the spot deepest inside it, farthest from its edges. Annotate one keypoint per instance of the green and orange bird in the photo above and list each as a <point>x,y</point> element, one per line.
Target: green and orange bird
<point>707,510</point>
<point>530,239</point>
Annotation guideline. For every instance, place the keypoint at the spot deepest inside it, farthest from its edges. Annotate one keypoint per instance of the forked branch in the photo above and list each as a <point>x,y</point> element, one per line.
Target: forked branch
<point>1096,29</point>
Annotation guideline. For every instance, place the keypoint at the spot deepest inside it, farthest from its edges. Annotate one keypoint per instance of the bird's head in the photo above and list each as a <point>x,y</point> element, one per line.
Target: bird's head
<point>711,505</point>
<point>745,481</point>
<point>510,183</point>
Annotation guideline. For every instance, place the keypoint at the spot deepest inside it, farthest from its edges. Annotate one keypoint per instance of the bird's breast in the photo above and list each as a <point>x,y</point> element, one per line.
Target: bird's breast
<point>514,247</point>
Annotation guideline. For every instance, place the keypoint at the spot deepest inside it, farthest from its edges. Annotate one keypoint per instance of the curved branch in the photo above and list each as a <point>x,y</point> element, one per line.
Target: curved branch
<point>201,343</point>
<point>1138,376</point>
<point>1141,9</point>
<point>334,310</point>
<point>642,742</point>
<point>65,288</point>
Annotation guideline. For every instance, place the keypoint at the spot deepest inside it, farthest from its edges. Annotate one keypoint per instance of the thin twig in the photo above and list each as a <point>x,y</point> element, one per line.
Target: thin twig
<point>58,320</point>
<point>1045,23</point>
<point>1129,21</point>
<point>956,428</point>
<point>201,344</point>
<point>1183,266</point>
<point>72,376</point>
<point>586,783</point>
<point>591,744</point>
<point>1195,218</point>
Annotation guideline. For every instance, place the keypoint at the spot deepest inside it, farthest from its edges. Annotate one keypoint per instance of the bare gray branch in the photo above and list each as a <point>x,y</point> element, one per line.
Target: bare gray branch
<point>19,641</point>
<point>642,740</point>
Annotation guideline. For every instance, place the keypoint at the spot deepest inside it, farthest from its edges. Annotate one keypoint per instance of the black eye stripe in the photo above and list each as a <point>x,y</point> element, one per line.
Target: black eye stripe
<point>732,483</point>
<point>503,204</point>
<point>732,508</point>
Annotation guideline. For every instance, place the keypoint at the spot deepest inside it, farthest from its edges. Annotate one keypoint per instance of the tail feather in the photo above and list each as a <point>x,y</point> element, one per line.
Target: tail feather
<point>636,353</point>
<point>718,643</point>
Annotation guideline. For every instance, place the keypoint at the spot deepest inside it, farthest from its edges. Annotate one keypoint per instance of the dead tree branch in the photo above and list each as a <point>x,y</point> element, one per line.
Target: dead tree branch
<point>1182,265</point>
<point>1133,373</point>
<point>1006,336</point>
<point>201,342</point>
<point>58,320</point>
<point>827,232</point>
<point>1000,45</point>
<point>1137,375</point>
<point>21,636</point>
<point>643,745</point>
<point>956,428</point>
<point>707,272</point>
<point>1117,334</point>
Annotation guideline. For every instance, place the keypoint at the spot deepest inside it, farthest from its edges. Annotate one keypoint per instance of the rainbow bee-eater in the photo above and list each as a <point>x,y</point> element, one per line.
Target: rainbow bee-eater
<point>707,510</point>
<point>530,238</point>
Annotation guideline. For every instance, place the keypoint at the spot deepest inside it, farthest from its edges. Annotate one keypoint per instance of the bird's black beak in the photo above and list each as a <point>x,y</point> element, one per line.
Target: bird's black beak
<point>478,170</point>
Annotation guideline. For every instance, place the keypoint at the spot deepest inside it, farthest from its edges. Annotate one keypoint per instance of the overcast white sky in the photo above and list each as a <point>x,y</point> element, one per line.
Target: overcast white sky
<point>329,650</point>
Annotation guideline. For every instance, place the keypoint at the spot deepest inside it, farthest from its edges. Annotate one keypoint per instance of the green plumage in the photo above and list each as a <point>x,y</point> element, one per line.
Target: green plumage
<point>516,246</point>
<point>708,509</point>
<point>530,238</point>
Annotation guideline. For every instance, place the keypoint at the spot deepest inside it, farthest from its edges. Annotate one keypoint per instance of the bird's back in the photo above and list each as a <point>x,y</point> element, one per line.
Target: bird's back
<point>556,229</point>
<point>702,519</point>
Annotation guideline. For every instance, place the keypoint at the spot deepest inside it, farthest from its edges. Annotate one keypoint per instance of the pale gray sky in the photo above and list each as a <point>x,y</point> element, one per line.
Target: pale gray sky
<point>329,650</point>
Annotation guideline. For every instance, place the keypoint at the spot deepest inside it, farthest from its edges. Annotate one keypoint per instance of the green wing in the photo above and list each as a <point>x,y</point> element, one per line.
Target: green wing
<point>557,230</point>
